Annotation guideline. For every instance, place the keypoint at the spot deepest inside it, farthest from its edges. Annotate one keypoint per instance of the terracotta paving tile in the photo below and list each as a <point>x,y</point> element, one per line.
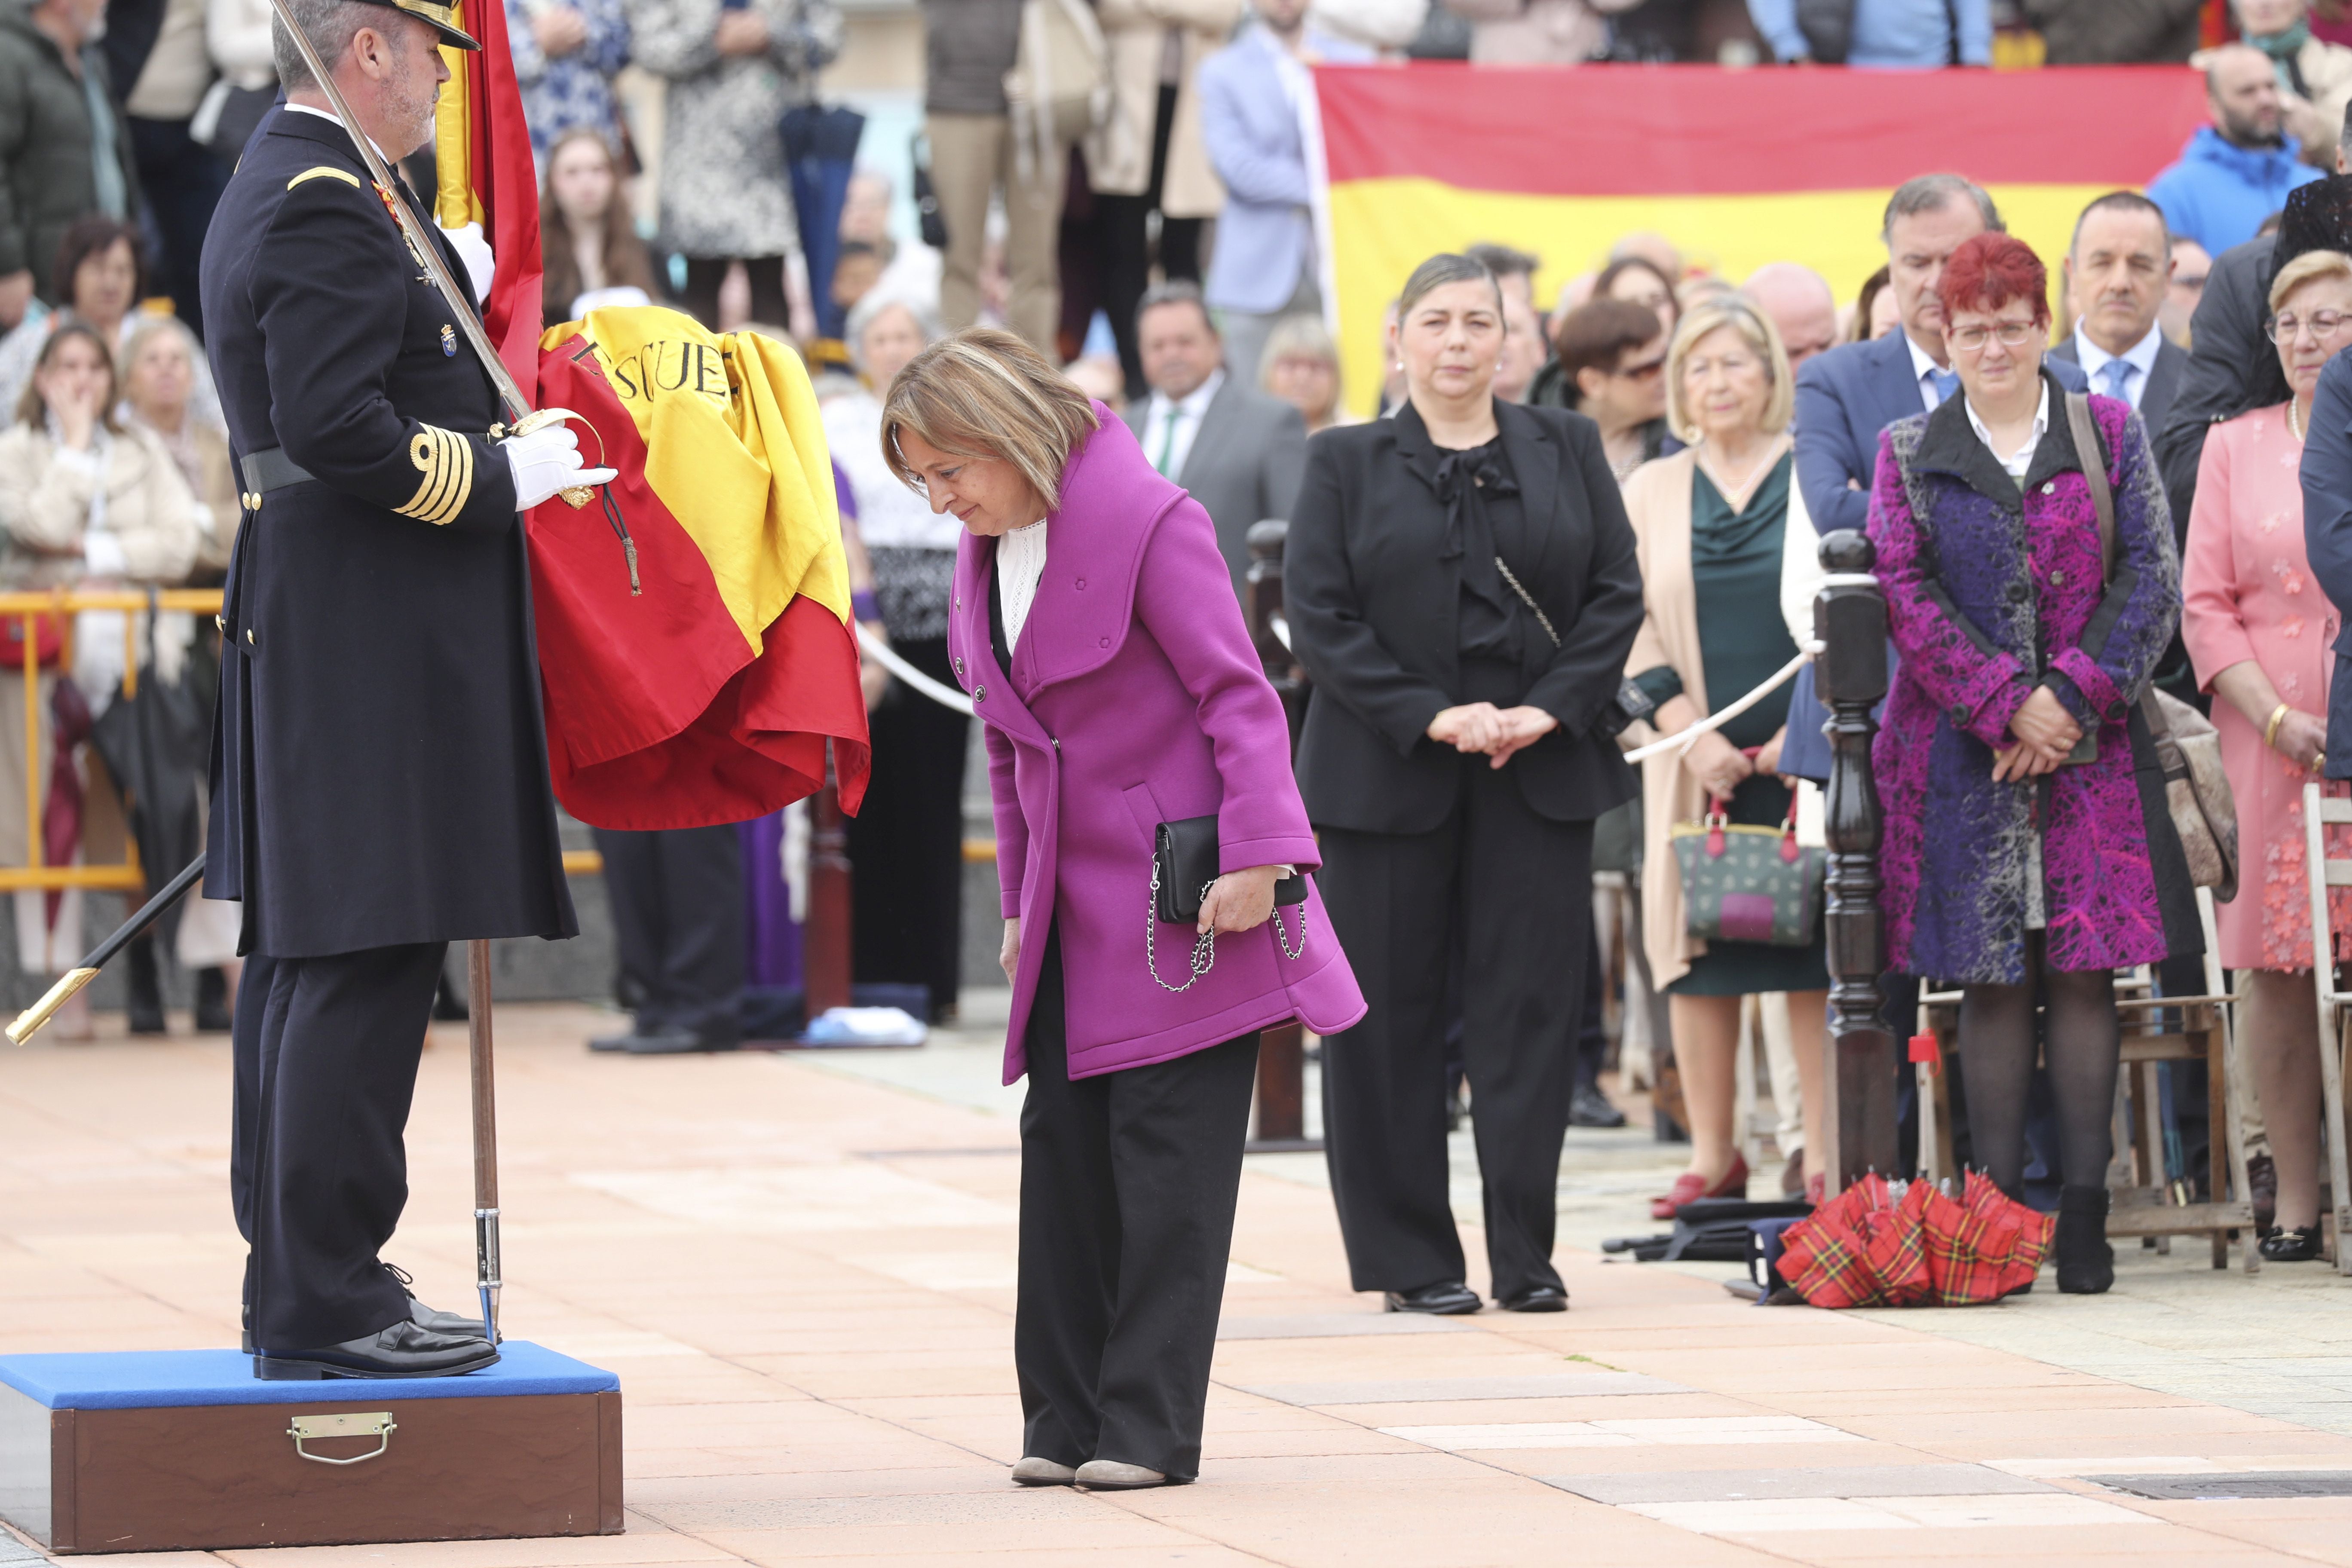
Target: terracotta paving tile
<point>1192,1554</point>
<point>638,1546</point>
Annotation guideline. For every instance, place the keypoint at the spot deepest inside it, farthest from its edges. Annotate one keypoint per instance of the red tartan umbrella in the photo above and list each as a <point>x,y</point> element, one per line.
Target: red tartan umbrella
<point>1867,1247</point>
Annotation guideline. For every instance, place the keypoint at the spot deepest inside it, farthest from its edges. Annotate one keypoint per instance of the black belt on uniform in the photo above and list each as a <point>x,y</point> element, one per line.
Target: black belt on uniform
<point>271,469</point>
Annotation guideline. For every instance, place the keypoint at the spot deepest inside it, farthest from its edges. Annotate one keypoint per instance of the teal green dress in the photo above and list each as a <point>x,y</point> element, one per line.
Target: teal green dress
<point>1736,569</point>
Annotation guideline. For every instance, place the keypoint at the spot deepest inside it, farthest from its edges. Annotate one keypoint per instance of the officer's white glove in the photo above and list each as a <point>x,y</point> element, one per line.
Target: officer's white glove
<point>482,266</point>
<point>546,461</point>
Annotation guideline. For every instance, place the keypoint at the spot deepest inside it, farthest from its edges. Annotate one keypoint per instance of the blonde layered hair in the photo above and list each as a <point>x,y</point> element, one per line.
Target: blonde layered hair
<point>984,392</point>
<point>2304,269</point>
<point>1757,329</point>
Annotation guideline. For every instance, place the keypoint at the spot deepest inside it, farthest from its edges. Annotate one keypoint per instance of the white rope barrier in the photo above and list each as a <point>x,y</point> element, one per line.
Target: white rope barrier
<point>1679,743</point>
<point>945,696</point>
<point>1682,741</point>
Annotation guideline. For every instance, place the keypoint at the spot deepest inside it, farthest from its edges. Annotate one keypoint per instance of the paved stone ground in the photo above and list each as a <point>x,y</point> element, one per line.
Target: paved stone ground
<point>801,1265</point>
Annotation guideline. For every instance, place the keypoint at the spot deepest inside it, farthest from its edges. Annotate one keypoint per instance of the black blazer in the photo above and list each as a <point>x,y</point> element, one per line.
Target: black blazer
<point>1374,619</point>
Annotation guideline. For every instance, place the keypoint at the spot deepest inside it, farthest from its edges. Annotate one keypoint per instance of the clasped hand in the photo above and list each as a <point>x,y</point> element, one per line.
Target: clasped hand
<point>1498,732</point>
<point>2045,734</point>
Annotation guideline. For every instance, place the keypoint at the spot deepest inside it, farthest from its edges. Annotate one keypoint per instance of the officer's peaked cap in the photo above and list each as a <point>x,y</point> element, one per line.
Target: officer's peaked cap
<point>442,19</point>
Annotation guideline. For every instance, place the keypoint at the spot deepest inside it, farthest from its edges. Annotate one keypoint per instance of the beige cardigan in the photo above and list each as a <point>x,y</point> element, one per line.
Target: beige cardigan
<point>1119,156</point>
<point>1658,502</point>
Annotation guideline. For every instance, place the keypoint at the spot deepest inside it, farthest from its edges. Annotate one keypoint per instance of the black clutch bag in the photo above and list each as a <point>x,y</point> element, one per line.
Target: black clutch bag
<point>1184,864</point>
<point>1184,867</point>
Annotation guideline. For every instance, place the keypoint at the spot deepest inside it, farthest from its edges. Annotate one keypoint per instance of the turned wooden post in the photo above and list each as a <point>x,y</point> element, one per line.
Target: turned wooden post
<point>1282,1050</point>
<point>1850,675</point>
<point>825,939</point>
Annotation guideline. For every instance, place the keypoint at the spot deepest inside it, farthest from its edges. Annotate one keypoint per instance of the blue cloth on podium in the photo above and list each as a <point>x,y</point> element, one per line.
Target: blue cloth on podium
<point>146,1380</point>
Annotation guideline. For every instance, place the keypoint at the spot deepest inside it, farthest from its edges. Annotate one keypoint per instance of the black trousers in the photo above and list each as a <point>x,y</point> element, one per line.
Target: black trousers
<point>183,183</point>
<point>705,274</point>
<point>1516,888</point>
<point>678,921</point>
<point>907,841</point>
<point>1127,1187</point>
<point>325,1052</point>
<point>1127,244</point>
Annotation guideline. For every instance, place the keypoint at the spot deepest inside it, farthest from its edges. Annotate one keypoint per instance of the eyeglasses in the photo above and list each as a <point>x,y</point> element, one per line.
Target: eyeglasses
<point>1649,370</point>
<point>2322,325</point>
<point>2013,335</point>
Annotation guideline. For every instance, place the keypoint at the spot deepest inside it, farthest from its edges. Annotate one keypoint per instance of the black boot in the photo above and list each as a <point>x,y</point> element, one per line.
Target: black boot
<point>2086,1264</point>
<point>213,1017</point>
<point>146,1004</point>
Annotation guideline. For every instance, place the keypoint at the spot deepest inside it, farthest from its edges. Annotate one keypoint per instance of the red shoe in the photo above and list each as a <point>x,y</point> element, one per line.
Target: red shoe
<point>1691,1187</point>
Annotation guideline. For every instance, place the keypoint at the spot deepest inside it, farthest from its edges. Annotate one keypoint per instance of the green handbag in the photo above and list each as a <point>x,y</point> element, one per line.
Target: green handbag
<point>1748,884</point>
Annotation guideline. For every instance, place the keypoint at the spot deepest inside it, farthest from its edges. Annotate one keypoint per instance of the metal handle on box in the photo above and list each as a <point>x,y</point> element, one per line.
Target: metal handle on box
<point>376,1424</point>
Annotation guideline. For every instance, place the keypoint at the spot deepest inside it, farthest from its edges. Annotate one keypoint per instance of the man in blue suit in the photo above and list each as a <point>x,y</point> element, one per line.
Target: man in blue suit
<point>1846,397</point>
<point>1258,102</point>
<point>2328,538</point>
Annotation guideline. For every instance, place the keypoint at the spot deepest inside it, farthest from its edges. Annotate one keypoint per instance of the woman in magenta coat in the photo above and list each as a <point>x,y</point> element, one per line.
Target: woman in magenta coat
<point>1093,623</point>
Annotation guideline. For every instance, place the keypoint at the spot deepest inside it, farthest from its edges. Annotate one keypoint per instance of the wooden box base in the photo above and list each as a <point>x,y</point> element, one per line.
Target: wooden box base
<point>185,1450</point>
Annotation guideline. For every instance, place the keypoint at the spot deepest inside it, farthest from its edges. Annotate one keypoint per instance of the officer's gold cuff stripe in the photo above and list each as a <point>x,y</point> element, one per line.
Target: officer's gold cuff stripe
<point>446,461</point>
<point>325,172</point>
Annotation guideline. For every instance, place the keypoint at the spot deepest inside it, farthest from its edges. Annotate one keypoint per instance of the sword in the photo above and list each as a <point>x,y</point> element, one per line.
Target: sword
<point>521,418</point>
<point>28,1022</point>
<point>486,1135</point>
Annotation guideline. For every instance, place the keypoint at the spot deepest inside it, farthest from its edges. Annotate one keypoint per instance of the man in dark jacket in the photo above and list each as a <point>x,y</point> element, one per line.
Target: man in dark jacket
<point>63,152</point>
<point>379,777</point>
<point>2117,32</point>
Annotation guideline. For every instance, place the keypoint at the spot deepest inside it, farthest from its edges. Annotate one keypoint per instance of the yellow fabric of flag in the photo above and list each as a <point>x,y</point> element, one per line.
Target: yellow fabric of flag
<point>734,450</point>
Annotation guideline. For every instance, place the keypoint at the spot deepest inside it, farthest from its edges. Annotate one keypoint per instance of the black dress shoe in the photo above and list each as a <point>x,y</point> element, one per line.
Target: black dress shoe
<point>2300,1246</point>
<point>1539,1299</point>
<point>611,1042</point>
<point>432,1318</point>
<point>1447,1298</point>
<point>447,1008</point>
<point>144,1009</point>
<point>1590,1108</point>
<point>403,1350</point>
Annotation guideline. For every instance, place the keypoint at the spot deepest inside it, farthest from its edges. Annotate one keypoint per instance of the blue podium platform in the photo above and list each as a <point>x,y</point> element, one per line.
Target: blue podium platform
<point>187,1450</point>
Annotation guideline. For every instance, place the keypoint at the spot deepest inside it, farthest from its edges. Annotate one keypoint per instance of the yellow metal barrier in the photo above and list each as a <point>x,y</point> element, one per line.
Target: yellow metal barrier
<point>26,609</point>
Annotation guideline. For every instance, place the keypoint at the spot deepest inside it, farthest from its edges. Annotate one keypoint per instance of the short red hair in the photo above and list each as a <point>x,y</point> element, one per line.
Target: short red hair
<point>1989,271</point>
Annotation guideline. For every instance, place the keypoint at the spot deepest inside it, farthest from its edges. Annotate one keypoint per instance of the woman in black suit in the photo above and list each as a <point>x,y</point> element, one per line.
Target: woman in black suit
<point>1462,588</point>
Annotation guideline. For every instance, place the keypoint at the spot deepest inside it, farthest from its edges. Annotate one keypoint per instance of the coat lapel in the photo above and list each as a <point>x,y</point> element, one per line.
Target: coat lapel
<point>1215,432</point>
<point>1898,389</point>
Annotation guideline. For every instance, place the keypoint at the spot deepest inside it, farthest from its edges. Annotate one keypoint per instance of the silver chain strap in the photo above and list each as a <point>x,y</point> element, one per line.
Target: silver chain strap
<point>1527,599</point>
<point>1204,946</point>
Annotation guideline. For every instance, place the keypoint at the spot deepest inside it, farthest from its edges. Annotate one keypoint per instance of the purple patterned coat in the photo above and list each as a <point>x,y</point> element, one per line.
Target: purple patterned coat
<point>1989,593</point>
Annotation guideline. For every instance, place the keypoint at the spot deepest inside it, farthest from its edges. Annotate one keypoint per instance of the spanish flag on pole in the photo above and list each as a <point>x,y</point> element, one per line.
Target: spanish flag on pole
<point>694,673</point>
<point>694,646</point>
<point>1737,168</point>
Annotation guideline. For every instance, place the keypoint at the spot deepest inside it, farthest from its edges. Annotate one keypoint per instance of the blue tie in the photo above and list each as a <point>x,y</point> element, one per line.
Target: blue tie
<point>2116,373</point>
<point>1947,383</point>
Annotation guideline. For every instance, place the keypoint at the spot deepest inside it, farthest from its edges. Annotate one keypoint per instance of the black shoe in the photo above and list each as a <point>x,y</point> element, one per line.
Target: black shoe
<point>212,1015</point>
<point>1539,1299</point>
<point>2086,1264</point>
<point>2300,1246</point>
<point>446,1006</point>
<point>1447,1298</point>
<point>145,1007</point>
<point>1455,1108</point>
<point>674,1043</point>
<point>612,1042</point>
<point>1590,1108</point>
<point>434,1318</point>
<point>403,1350</point>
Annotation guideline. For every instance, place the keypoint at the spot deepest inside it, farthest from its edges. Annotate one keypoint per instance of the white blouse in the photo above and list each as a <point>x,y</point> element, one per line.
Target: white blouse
<point>1020,567</point>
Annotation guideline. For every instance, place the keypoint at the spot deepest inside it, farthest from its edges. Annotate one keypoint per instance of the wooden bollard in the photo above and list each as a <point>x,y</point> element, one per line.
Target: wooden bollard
<point>1850,675</point>
<point>825,940</point>
<point>1282,1050</point>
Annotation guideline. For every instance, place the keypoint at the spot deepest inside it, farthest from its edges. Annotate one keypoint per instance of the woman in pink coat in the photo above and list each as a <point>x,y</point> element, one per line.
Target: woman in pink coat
<point>2263,636</point>
<point>1094,624</point>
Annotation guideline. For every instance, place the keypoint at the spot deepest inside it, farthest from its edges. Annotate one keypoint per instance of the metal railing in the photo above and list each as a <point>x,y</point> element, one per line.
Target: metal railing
<point>62,604</point>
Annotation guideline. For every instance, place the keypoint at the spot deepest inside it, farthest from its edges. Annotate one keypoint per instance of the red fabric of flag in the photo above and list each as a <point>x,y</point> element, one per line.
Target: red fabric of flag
<point>505,184</point>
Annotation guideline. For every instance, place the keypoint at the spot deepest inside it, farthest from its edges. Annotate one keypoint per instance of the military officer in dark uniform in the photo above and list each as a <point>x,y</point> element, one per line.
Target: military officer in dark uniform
<point>379,772</point>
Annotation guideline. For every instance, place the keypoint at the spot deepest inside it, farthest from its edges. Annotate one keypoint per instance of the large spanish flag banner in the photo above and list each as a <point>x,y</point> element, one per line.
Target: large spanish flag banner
<point>694,638</point>
<point>1737,168</point>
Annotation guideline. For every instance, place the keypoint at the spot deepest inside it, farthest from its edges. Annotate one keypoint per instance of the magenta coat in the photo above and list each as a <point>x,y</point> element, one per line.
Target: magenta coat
<point>1135,698</point>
